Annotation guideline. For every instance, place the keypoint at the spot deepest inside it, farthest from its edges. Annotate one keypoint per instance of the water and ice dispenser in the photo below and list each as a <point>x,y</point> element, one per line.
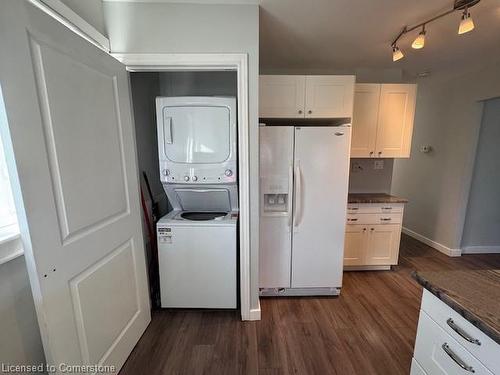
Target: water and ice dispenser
<point>275,196</point>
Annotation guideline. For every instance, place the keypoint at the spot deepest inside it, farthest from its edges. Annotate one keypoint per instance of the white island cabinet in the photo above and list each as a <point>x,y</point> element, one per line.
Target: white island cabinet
<point>448,344</point>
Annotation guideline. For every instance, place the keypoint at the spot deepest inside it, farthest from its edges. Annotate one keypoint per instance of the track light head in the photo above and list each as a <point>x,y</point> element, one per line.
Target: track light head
<point>419,41</point>
<point>466,24</point>
<point>397,54</point>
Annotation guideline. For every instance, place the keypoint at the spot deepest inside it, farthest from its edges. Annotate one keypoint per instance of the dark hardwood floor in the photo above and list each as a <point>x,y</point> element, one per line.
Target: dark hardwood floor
<point>369,329</point>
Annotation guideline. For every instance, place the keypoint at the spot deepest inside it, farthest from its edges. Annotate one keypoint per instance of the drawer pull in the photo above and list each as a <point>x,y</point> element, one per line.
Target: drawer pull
<point>353,208</point>
<point>462,333</point>
<point>352,219</point>
<point>385,219</point>
<point>387,208</point>
<point>456,358</point>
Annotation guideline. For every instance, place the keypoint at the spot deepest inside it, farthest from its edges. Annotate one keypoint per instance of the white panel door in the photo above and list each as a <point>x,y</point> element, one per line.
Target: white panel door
<point>329,96</point>
<point>68,108</point>
<point>395,120</point>
<point>321,165</point>
<point>364,120</point>
<point>281,96</point>
<point>275,248</point>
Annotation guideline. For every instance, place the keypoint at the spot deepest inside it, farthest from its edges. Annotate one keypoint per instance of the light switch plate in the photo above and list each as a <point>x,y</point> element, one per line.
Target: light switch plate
<point>378,164</point>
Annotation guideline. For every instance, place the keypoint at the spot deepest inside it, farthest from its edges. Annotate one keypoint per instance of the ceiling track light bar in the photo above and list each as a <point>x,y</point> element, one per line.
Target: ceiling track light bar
<point>458,5</point>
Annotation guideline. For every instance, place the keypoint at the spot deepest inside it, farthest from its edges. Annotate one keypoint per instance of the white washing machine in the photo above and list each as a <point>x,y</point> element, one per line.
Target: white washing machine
<point>197,259</point>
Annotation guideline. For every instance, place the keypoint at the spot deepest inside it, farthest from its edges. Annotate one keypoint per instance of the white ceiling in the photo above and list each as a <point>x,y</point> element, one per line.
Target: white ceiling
<point>346,34</point>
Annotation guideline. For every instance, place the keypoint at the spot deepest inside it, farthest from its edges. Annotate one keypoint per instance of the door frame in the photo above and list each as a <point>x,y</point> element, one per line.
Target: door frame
<point>148,62</point>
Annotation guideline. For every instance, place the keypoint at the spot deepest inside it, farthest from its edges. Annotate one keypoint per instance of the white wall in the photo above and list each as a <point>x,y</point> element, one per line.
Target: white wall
<point>447,117</point>
<point>20,341</point>
<point>195,28</point>
<point>90,10</point>
<point>482,221</point>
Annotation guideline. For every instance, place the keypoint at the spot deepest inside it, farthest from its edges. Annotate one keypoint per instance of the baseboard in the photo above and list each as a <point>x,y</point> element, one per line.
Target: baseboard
<point>436,245</point>
<point>254,313</point>
<point>481,250</point>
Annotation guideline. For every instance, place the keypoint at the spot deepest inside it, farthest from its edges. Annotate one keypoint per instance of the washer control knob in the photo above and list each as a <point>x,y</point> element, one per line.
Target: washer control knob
<point>228,172</point>
<point>194,178</point>
<point>166,172</point>
<point>186,178</point>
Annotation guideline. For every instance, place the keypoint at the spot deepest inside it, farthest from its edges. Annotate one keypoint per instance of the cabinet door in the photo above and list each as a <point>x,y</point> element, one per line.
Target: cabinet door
<point>383,245</point>
<point>356,237</point>
<point>281,96</point>
<point>364,120</point>
<point>329,96</point>
<point>395,120</point>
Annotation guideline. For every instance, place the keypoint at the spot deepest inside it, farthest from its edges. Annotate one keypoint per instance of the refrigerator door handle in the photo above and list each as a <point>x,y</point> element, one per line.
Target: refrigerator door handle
<point>298,193</point>
<point>290,192</point>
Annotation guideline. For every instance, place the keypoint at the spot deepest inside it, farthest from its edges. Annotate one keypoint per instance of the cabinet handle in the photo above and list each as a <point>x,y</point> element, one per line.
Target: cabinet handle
<point>353,208</point>
<point>387,208</point>
<point>309,111</point>
<point>456,358</point>
<point>300,111</point>
<point>372,229</point>
<point>371,153</point>
<point>462,333</point>
<point>352,219</point>
<point>364,229</point>
<point>385,219</point>
<point>379,153</point>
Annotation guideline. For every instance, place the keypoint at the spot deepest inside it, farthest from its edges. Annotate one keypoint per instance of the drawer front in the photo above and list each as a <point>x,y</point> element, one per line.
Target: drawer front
<point>374,218</point>
<point>415,368</point>
<point>484,349</point>
<point>439,353</point>
<point>372,208</point>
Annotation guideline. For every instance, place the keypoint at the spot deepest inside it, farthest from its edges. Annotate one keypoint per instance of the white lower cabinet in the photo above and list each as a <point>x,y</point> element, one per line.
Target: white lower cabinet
<point>448,344</point>
<point>373,233</point>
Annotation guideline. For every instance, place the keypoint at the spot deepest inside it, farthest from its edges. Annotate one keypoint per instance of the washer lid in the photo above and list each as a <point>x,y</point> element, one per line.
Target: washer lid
<point>202,216</point>
<point>215,200</point>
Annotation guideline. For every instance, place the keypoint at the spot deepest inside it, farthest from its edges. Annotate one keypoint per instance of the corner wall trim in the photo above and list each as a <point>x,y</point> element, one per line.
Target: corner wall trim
<point>481,250</point>
<point>435,245</point>
<point>254,313</point>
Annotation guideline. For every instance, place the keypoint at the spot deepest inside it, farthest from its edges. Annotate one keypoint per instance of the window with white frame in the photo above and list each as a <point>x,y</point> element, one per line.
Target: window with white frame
<point>8,218</point>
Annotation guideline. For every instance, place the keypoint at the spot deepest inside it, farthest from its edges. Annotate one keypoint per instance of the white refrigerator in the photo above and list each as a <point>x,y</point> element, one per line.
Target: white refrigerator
<point>304,173</point>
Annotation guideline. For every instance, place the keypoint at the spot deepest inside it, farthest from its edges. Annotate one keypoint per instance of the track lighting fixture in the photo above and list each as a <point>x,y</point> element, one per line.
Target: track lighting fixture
<point>419,41</point>
<point>466,25</point>
<point>397,54</point>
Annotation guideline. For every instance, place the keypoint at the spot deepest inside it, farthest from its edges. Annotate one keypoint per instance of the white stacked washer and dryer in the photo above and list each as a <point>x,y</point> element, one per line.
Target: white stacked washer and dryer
<point>197,247</point>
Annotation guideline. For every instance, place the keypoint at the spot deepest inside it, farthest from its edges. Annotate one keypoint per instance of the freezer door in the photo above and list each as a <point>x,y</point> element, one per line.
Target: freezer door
<point>321,167</point>
<point>276,181</point>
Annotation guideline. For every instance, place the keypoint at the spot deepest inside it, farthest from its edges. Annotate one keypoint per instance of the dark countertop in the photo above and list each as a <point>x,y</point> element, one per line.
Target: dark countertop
<point>474,294</point>
<point>374,198</point>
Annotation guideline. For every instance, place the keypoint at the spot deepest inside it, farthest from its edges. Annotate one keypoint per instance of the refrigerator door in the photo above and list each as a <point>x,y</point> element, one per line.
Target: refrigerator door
<point>276,181</point>
<point>321,167</point>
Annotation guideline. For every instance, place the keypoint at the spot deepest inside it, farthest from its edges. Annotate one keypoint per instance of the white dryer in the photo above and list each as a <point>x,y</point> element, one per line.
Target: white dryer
<point>197,140</point>
<point>197,259</point>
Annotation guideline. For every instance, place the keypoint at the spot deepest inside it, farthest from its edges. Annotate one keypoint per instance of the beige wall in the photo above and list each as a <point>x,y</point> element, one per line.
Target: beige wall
<point>195,28</point>
<point>363,178</point>
<point>448,117</point>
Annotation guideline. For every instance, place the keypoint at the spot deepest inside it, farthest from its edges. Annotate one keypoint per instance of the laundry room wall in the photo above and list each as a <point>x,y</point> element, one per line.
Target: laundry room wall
<point>138,27</point>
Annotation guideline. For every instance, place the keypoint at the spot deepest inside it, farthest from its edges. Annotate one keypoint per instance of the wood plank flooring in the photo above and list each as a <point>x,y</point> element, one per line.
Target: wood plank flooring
<point>369,329</point>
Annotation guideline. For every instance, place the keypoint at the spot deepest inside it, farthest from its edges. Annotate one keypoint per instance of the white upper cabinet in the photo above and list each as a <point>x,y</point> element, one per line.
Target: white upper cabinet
<point>364,119</point>
<point>329,96</point>
<point>383,120</point>
<point>282,96</point>
<point>395,120</point>
<point>292,96</point>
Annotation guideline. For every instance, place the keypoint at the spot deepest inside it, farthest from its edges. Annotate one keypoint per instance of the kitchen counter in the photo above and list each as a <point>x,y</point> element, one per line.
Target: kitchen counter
<point>474,294</point>
<point>374,198</point>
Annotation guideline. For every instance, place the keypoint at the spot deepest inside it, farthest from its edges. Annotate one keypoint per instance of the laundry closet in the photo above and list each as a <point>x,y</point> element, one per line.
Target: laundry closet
<point>186,135</point>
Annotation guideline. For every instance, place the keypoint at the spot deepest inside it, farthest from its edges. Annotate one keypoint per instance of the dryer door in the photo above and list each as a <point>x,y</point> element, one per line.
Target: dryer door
<point>197,134</point>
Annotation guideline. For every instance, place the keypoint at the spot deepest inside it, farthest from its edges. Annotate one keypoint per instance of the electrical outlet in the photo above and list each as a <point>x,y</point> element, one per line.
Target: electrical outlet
<point>378,164</point>
<point>356,167</point>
